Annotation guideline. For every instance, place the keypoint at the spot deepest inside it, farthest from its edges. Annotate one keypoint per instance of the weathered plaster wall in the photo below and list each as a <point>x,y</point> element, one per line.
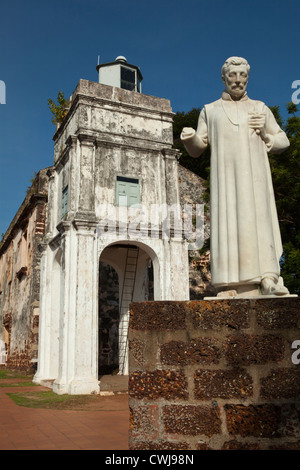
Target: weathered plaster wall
<point>118,115</point>
<point>108,132</point>
<point>214,375</point>
<point>20,277</point>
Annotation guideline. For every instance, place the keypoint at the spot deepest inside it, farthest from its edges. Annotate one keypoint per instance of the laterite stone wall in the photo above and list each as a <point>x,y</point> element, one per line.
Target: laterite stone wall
<point>214,375</point>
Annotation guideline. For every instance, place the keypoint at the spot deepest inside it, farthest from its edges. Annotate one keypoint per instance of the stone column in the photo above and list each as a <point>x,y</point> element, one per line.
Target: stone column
<point>42,372</point>
<point>83,322</point>
<point>60,385</point>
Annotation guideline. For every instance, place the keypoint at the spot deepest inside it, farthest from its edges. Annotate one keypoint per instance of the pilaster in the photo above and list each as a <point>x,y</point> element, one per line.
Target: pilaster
<point>60,385</point>
<point>83,327</point>
<point>42,345</point>
<point>171,175</point>
<point>87,164</point>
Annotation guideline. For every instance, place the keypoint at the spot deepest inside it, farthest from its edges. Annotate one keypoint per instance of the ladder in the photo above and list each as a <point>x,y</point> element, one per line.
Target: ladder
<point>126,298</point>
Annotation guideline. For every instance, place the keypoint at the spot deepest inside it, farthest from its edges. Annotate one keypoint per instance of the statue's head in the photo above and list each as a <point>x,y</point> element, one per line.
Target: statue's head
<point>235,75</point>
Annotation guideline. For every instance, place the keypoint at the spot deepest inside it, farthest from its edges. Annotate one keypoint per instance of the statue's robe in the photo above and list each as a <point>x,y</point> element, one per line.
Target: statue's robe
<point>245,238</point>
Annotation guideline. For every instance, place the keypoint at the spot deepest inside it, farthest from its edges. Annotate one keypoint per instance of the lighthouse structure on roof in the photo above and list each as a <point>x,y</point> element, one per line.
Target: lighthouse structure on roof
<point>120,74</point>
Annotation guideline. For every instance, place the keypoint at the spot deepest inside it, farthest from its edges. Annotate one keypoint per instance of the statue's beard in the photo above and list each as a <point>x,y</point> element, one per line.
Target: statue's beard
<point>237,90</point>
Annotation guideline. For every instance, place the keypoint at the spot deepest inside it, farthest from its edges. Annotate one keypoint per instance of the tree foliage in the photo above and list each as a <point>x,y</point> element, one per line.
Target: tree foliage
<point>32,187</point>
<point>286,181</point>
<point>200,166</point>
<point>59,109</point>
<point>285,170</point>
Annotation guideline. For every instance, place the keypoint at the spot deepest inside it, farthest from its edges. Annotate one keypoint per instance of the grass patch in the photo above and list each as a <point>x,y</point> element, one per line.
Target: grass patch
<point>50,400</point>
<point>12,374</point>
<point>18,384</point>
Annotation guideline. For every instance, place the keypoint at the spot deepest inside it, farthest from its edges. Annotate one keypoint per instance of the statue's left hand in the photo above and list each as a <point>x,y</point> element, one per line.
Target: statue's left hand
<point>257,121</point>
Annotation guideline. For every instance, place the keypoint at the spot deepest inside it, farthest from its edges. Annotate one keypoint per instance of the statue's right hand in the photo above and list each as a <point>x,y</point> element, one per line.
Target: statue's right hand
<point>187,132</point>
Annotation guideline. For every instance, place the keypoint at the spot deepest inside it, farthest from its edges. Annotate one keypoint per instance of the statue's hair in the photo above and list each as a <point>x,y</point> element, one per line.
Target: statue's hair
<point>234,61</point>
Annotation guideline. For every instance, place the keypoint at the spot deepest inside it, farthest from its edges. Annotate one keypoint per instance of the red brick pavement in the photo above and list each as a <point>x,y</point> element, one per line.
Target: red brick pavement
<point>39,429</point>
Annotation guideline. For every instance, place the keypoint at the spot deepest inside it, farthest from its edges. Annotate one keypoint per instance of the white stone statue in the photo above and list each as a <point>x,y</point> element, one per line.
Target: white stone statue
<point>245,238</point>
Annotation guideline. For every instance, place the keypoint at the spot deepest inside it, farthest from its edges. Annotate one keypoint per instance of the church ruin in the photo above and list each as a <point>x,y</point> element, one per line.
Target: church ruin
<point>114,161</point>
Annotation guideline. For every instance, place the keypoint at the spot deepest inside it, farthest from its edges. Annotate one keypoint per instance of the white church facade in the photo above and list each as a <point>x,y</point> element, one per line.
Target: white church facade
<point>114,169</point>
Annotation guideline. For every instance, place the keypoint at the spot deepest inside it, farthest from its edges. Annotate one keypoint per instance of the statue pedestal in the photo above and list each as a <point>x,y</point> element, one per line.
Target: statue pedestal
<point>253,291</point>
<point>222,374</point>
<point>249,296</point>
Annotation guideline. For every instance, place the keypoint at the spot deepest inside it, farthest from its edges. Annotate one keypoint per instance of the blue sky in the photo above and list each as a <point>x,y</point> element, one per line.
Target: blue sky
<point>180,46</point>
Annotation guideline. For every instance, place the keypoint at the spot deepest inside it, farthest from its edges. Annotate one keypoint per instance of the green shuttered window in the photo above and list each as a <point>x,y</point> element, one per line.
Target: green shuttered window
<point>127,191</point>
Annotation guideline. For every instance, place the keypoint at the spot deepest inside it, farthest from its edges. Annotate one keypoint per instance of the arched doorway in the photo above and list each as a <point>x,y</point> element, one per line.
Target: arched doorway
<point>126,274</point>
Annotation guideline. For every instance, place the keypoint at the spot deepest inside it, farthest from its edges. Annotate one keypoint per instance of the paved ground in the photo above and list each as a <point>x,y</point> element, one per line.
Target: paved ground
<point>40,429</point>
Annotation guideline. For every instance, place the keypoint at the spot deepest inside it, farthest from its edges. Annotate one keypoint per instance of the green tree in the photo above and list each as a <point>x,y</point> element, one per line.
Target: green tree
<point>32,186</point>
<point>200,166</point>
<point>286,181</point>
<point>59,109</point>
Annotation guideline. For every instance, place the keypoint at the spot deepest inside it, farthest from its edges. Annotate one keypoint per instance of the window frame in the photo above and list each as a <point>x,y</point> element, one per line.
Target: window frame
<point>130,180</point>
<point>136,85</point>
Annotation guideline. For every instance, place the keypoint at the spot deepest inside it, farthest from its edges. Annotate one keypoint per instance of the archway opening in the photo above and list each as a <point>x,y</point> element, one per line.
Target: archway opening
<point>126,274</point>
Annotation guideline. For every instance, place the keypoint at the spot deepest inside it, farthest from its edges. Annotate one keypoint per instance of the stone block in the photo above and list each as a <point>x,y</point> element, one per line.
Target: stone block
<point>151,385</point>
<point>246,349</point>
<point>290,423</point>
<point>226,384</point>
<point>253,420</point>
<point>158,316</point>
<point>136,348</point>
<point>281,383</point>
<point>197,351</point>
<point>286,446</point>
<point>236,445</point>
<point>159,445</point>
<point>220,314</point>
<point>202,446</point>
<point>191,420</point>
<point>144,422</point>
<point>272,314</point>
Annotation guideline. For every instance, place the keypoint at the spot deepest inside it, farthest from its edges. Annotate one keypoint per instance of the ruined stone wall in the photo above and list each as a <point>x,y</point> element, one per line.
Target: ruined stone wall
<point>212,375</point>
<point>20,277</point>
<point>108,323</point>
<point>192,191</point>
